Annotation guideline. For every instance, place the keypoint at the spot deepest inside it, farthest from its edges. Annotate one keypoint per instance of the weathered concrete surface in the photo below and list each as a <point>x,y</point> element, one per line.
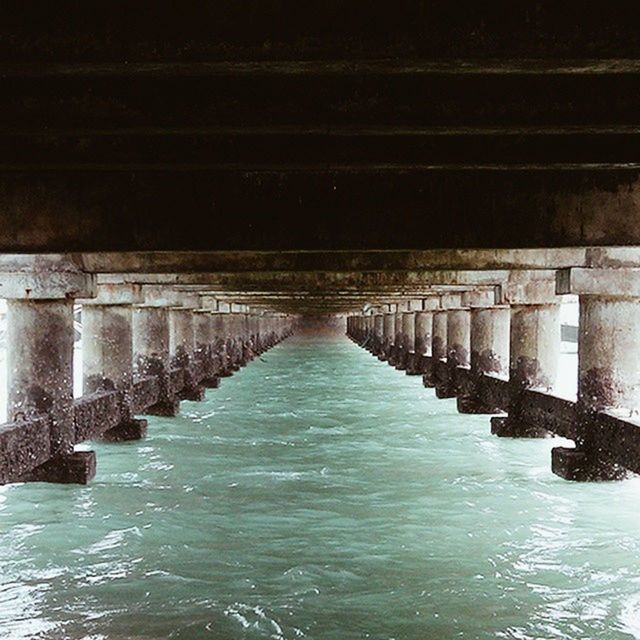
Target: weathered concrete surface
<point>151,354</point>
<point>107,351</point>
<point>40,366</point>
<point>534,347</point>
<point>23,445</point>
<point>75,468</point>
<point>489,339</point>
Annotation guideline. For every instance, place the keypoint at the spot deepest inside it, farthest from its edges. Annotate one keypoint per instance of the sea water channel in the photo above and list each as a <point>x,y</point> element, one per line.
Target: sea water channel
<point>321,494</point>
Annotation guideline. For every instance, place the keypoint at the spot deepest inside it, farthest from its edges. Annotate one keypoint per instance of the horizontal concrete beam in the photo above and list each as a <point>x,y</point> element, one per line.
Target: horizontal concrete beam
<point>117,209</point>
<point>620,282</point>
<point>318,280</point>
<point>356,260</point>
<point>330,30</point>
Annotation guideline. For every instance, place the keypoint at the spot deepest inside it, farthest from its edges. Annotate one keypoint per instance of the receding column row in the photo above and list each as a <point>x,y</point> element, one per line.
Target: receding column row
<point>460,338</point>
<point>128,335</point>
<point>461,341</point>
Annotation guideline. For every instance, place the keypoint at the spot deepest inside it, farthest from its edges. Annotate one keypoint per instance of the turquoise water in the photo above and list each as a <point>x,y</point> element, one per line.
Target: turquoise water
<point>321,494</point>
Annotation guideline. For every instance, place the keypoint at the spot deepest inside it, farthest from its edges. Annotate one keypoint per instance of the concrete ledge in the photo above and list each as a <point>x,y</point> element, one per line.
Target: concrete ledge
<point>507,427</point>
<point>176,379</point>
<point>96,413</point>
<point>578,466</point>
<point>195,393</point>
<point>23,446</point>
<point>76,468</point>
<point>146,392</point>
<point>126,431</point>
<point>548,412</point>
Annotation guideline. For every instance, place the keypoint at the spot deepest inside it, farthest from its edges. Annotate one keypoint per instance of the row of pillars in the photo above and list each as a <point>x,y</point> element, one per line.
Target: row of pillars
<point>126,336</point>
<point>519,343</point>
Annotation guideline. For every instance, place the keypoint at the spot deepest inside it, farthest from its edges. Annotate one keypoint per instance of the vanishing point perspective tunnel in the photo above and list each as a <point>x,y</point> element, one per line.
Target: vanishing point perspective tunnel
<point>211,211</point>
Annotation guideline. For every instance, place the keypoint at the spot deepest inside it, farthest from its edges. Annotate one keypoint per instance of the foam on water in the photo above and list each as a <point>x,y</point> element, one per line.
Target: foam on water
<point>321,494</point>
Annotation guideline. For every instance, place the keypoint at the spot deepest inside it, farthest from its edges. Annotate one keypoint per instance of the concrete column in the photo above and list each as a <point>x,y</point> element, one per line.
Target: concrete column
<point>438,346</point>
<point>489,356</point>
<point>389,332</point>
<point>407,358</point>
<point>534,347</point>
<point>40,366</point>
<point>40,336</point>
<point>439,335</point>
<point>182,350</point>
<point>378,333</point>
<point>608,367</point>
<point>423,332</point>
<point>490,340</point>
<point>458,336</point>
<point>107,363</point>
<point>369,330</point>
<point>220,354</point>
<point>151,355</point>
<point>203,356</point>
<point>396,347</point>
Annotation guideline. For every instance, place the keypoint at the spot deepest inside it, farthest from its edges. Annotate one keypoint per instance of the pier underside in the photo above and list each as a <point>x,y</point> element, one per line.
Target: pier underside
<point>203,180</point>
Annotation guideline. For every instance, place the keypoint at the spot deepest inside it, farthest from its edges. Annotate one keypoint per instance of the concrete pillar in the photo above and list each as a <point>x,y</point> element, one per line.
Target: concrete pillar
<point>220,351</point>
<point>40,292</point>
<point>389,332</point>
<point>489,356</point>
<point>608,366</point>
<point>396,347</point>
<point>378,333</point>
<point>423,332</point>
<point>407,362</point>
<point>107,363</point>
<point>40,366</point>
<point>534,348</point>
<point>151,355</point>
<point>458,337</point>
<point>203,355</point>
<point>182,350</point>
<point>490,340</point>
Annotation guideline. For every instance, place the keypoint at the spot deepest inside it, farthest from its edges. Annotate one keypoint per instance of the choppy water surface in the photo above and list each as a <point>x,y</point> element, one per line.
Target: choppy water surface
<point>320,494</point>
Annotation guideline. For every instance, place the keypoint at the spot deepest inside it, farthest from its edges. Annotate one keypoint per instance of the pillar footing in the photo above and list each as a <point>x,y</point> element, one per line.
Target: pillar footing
<point>135,429</point>
<point>74,468</point>
<point>472,405</point>
<point>165,408</point>
<point>195,393</point>
<point>579,466</point>
<point>444,391</point>
<point>506,427</point>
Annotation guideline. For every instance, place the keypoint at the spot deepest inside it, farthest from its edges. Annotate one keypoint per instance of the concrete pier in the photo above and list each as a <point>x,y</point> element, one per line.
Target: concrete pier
<point>389,332</point>
<point>608,371</point>
<point>182,350</point>
<point>534,348</point>
<point>445,358</point>
<point>377,340</point>
<point>489,347</point>
<point>151,355</point>
<point>107,363</point>
<point>406,357</point>
<point>204,354</point>
<point>40,336</point>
